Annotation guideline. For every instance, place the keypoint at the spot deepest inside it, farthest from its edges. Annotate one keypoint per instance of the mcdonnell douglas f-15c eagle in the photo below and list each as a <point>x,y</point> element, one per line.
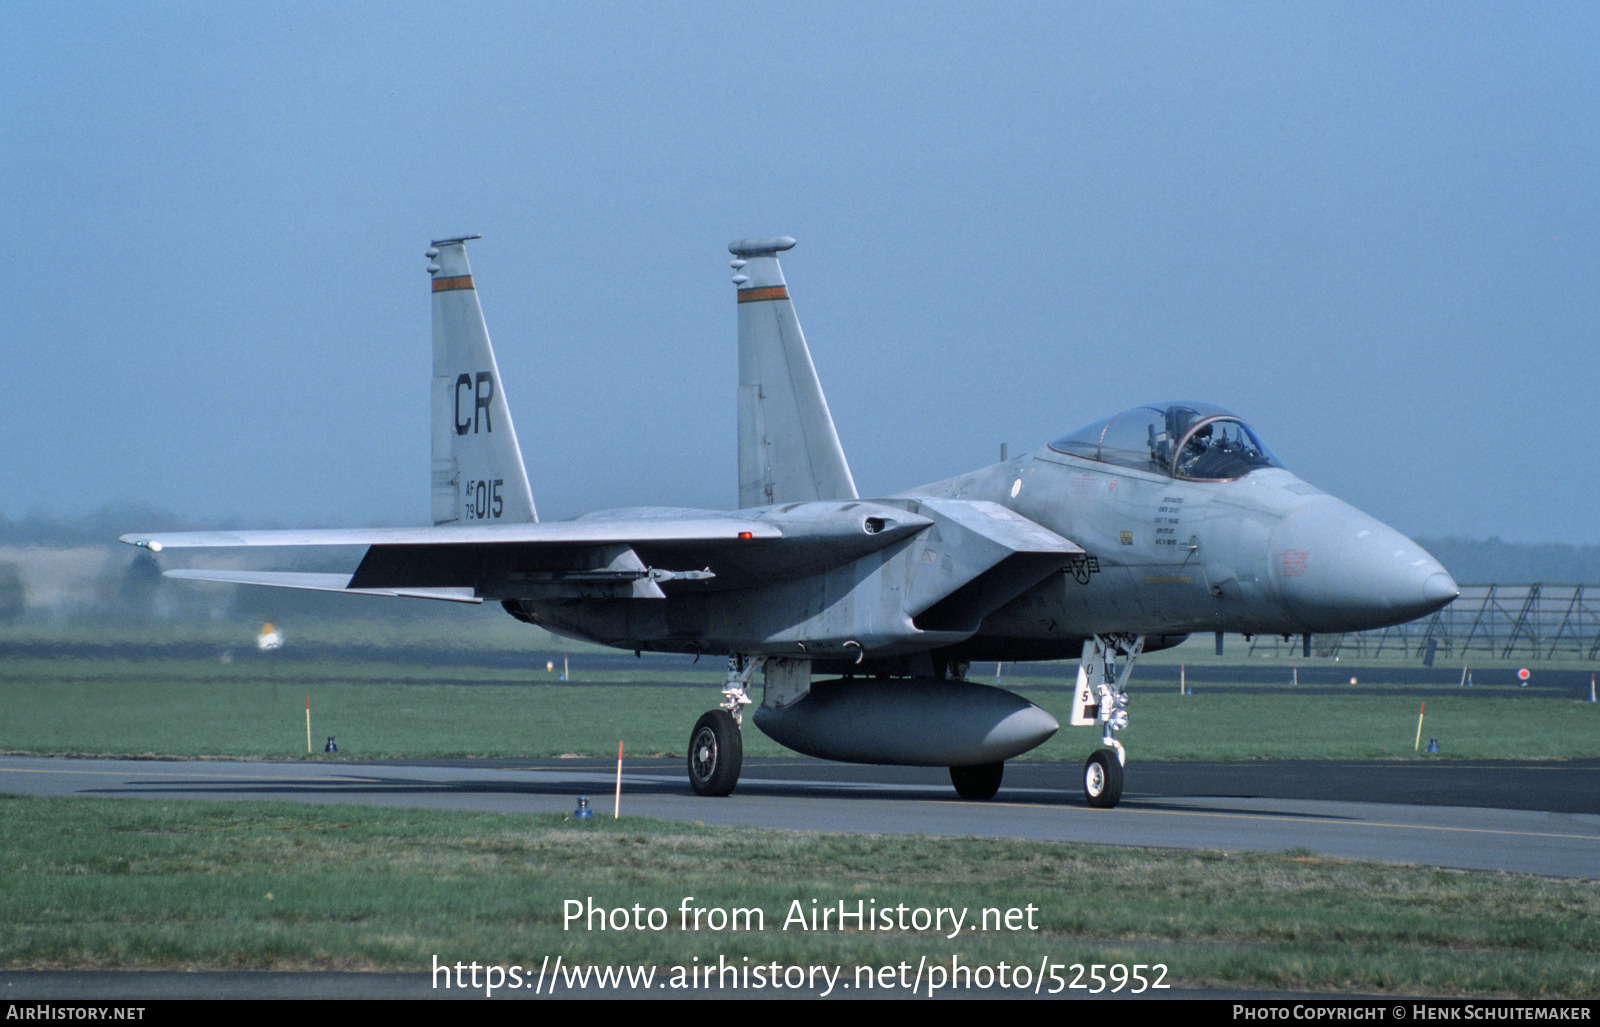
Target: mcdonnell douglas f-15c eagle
<point>1121,537</point>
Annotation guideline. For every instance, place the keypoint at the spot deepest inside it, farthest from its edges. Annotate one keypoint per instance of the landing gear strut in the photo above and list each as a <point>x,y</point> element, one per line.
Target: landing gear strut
<point>1102,698</point>
<point>716,746</point>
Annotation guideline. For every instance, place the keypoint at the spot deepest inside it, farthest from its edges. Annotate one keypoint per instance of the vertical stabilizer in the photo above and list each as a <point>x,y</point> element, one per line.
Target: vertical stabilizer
<point>478,474</point>
<point>788,448</point>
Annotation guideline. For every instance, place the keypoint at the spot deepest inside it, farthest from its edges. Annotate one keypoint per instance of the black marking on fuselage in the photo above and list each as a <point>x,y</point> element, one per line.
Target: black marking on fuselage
<point>1081,565</point>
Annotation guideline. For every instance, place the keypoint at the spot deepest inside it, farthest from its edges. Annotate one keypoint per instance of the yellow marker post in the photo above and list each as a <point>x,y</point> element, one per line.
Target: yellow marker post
<point>616,809</point>
<point>1420,712</point>
<point>308,725</point>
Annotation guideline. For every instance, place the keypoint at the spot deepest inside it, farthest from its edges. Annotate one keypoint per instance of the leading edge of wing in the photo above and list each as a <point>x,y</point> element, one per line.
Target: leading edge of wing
<point>568,533</point>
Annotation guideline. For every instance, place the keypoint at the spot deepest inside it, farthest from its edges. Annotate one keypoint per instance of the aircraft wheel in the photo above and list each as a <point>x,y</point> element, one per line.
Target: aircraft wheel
<point>980,782</point>
<point>716,749</point>
<point>1102,779</point>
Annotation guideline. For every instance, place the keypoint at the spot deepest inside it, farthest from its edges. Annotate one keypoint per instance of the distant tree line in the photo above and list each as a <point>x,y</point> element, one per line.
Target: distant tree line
<point>1491,561</point>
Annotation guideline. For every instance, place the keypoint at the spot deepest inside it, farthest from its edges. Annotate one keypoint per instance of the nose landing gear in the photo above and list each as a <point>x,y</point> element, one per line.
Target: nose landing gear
<point>1102,698</point>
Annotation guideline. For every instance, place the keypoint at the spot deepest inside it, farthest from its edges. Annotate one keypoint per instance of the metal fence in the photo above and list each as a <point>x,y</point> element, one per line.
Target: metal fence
<point>1535,622</point>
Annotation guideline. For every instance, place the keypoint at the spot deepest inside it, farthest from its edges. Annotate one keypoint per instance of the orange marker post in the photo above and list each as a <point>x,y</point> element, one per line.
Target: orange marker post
<point>1420,712</point>
<point>616,809</point>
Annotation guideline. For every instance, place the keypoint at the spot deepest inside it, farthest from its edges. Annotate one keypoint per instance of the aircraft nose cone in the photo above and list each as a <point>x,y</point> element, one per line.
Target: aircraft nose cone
<point>1440,588</point>
<point>1340,570</point>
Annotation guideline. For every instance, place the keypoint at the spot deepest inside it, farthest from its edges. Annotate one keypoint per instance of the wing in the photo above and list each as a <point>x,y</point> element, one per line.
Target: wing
<point>656,553</point>
<point>623,554</point>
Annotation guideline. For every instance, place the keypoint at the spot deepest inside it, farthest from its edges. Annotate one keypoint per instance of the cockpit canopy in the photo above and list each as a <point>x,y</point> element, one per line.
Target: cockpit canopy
<point>1196,441</point>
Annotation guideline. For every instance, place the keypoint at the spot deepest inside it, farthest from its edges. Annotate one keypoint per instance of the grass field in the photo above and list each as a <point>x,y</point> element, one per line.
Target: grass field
<point>104,883</point>
<point>256,708</point>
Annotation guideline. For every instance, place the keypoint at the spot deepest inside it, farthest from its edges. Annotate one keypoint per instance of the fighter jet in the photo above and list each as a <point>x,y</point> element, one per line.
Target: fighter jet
<point>863,615</point>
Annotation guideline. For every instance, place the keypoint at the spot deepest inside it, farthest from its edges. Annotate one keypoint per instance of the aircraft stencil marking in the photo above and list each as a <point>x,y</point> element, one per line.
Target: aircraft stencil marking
<point>894,596</point>
<point>481,500</point>
<point>479,392</point>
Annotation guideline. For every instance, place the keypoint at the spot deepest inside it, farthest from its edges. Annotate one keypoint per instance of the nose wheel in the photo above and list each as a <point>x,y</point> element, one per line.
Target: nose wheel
<point>1102,779</point>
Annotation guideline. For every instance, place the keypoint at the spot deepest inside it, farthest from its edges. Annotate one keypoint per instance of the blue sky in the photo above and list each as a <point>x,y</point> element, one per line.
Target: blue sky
<point>1371,229</point>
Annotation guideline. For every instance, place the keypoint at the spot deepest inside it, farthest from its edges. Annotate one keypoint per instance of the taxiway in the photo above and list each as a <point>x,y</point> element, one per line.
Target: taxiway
<point>1537,818</point>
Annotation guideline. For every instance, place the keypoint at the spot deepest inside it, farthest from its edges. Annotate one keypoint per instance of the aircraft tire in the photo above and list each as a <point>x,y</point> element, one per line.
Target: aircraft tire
<point>979,782</point>
<point>1102,779</point>
<point>716,751</point>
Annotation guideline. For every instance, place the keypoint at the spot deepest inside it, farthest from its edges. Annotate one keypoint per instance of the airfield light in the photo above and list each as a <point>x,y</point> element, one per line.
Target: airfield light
<point>746,534</point>
<point>583,812</point>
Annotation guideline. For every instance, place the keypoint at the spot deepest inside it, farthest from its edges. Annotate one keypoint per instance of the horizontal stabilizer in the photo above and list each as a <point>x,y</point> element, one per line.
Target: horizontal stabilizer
<point>556,533</point>
<point>322,583</point>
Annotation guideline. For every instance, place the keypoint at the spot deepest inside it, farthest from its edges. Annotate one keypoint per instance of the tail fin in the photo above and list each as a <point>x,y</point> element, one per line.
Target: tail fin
<point>788,448</point>
<point>477,465</point>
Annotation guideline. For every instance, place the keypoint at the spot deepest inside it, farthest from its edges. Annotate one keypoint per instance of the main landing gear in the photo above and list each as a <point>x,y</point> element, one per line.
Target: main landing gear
<point>1102,698</point>
<point>716,747</point>
<point>979,782</point>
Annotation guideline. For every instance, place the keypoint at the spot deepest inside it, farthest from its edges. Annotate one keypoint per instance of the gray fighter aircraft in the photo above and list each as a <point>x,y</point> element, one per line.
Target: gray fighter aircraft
<point>863,614</point>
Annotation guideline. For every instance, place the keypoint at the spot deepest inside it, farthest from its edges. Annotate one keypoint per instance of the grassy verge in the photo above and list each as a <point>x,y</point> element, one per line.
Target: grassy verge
<point>105,883</point>
<point>196,707</point>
